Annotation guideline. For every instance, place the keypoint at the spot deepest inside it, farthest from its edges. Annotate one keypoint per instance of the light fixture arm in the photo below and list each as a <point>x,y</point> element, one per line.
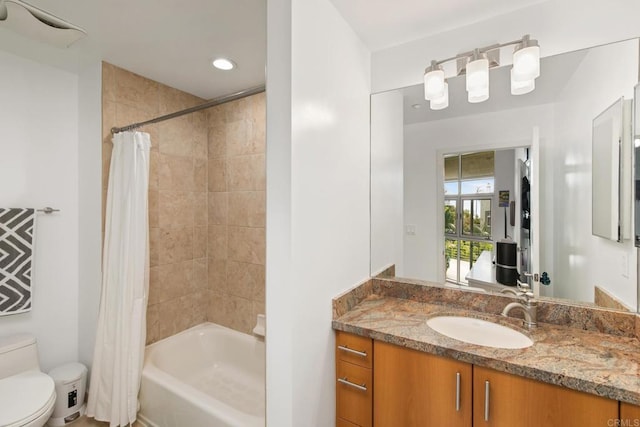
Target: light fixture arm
<point>525,41</point>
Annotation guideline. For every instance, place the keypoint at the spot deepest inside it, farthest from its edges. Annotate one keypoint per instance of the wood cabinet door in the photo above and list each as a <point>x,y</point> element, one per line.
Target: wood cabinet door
<point>522,402</point>
<point>629,415</point>
<point>413,388</point>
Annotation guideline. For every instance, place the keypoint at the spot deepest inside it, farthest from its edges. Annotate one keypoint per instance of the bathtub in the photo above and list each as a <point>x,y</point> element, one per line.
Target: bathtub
<point>206,376</point>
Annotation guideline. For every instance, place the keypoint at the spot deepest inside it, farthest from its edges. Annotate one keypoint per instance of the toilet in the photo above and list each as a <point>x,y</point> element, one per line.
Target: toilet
<point>27,395</point>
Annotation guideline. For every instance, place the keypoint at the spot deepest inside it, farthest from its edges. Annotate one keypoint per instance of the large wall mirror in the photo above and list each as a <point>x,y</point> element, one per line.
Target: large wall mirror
<point>451,187</point>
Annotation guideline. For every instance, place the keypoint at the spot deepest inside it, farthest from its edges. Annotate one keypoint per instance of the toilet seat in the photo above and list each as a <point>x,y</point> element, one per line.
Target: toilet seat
<point>26,398</point>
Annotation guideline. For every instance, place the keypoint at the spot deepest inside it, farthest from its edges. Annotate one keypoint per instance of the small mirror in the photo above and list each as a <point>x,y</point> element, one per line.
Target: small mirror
<point>611,172</point>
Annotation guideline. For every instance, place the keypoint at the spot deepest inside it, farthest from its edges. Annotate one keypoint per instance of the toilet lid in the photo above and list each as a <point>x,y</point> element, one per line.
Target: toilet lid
<point>25,396</point>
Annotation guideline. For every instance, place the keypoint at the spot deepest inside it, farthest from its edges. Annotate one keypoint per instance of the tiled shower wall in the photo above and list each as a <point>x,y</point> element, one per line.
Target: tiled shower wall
<point>237,212</point>
<point>181,293</point>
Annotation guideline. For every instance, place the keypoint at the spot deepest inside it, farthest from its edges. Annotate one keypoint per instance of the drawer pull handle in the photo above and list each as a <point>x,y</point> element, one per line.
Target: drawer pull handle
<point>457,391</point>
<point>350,350</point>
<point>486,400</point>
<point>345,381</point>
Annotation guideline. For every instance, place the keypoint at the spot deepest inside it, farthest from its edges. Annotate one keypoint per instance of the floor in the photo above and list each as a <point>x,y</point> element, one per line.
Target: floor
<point>90,422</point>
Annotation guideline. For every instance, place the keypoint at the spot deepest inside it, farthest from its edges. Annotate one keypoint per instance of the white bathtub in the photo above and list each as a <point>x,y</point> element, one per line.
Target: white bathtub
<point>206,376</point>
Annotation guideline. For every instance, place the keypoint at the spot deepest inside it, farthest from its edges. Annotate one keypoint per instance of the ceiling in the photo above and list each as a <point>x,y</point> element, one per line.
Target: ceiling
<point>383,23</point>
<point>169,41</point>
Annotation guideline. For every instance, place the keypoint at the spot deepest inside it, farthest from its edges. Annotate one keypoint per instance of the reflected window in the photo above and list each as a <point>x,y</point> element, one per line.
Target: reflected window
<point>468,188</point>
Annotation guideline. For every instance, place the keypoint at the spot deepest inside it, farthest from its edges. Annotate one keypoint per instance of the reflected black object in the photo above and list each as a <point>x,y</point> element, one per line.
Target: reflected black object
<point>506,262</point>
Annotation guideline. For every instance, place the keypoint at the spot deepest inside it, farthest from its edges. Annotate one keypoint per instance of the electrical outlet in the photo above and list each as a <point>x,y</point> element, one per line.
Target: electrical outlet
<point>411,230</point>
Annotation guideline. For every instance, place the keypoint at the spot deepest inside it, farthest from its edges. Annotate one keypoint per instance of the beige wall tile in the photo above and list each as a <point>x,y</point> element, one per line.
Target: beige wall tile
<point>176,209</point>
<point>107,149</point>
<point>218,208</point>
<point>238,313</point>
<point>108,82</point>
<point>200,134</point>
<point>179,295</point>
<point>246,173</point>
<point>108,120</point>
<point>216,116</point>
<point>216,312</point>
<point>154,212</point>
<point>200,208</point>
<point>169,318</point>
<point>176,244</point>
<point>247,245</point>
<point>176,137</point>
<point>172,100</point>
<point>201,274</point>
<point>258,105</point>
<point>176,173</point>
<point>238,110</point>
<point>175,280</point>
<point>154,285</point>
<point>154,246</point>
<point>217,247</point>
<point>132,89</point>
<point>217,274</point>
<point>154,170</point>
<point>239,136</point>
<point>200,171</point>
<point>258,307</point>
<point>245,280</point>
<point>247,208</point>
<point>217,143</point>
<point>200,242</point>
<point>217,175</point>
<point>153,324</point>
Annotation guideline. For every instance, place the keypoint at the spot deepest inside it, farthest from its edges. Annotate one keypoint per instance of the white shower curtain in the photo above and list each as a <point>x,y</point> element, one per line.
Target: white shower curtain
<point>120,340</point>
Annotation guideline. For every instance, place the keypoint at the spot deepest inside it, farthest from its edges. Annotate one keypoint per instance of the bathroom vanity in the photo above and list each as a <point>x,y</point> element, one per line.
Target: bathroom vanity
<point>392,369</point>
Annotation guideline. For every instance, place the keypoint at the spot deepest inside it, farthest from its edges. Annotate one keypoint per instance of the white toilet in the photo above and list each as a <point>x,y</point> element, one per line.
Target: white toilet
<point>27,396</point>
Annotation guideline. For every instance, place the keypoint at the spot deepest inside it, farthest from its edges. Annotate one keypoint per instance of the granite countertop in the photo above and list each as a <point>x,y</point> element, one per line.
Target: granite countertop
<point>593,362</point>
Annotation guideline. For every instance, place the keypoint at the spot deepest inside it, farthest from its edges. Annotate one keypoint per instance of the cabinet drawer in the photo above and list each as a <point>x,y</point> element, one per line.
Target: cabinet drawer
<point>354,349</point>
<point>354,393</point>
<point>344,423</point>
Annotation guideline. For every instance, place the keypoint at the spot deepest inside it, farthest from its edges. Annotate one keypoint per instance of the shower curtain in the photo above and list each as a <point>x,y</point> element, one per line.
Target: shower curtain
<point>121,334</point>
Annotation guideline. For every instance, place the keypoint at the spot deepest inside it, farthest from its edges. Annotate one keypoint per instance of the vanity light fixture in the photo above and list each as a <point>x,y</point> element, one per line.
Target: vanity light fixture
<point>476,65</point>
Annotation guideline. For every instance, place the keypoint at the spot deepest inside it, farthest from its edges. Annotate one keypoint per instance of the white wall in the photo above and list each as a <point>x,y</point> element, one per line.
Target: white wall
<point>387,183</point>
<point>559,25</point>
<point>581,257</point>
<point>89,205</point>
<point>38,168</point>
<point>424,144</point>
<point>317,201</point>
<point>504,180</point>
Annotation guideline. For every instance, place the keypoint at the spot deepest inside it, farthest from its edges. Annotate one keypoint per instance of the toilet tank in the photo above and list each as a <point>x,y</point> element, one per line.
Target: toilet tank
<point>18,353</point>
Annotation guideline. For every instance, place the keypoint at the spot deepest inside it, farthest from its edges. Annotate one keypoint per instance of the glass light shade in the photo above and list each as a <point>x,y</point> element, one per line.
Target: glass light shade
<point>526,64</point>
<point>434,85</point>
<point>478,75</point>
<point>442,102</point>
<point>479,95</point>
<point>520,88</point>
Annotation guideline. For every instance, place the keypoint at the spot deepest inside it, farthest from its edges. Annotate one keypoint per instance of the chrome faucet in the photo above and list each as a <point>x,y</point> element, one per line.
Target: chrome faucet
<point>529,305</point>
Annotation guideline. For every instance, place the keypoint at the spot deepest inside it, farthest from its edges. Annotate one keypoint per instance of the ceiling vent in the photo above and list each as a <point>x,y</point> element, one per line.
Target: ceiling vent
<point>37,24</point>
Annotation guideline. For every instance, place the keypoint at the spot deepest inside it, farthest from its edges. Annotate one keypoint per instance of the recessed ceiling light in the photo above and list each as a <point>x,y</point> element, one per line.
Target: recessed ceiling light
<point>224,64</point>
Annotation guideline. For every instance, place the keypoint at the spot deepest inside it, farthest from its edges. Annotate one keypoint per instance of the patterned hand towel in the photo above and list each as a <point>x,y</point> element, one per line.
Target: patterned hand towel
<point>17,228</point>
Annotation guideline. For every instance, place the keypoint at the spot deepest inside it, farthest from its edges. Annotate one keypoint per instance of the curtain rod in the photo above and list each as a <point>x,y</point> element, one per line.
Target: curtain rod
<point>208,104</point>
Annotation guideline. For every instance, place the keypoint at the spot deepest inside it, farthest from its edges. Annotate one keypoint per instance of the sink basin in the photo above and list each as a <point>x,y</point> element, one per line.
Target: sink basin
<point>478,331</point>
